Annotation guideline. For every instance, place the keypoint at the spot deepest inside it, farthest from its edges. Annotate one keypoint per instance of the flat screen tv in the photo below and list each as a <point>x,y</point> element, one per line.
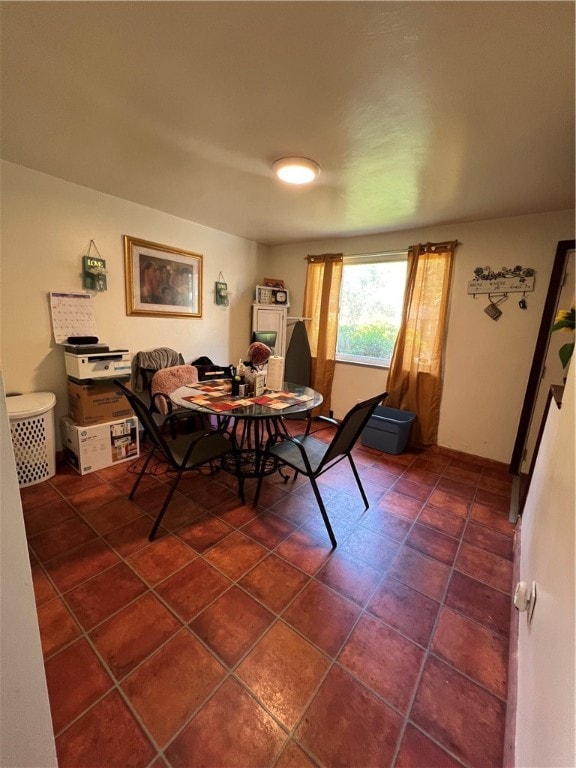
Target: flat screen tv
<point>266,337</point>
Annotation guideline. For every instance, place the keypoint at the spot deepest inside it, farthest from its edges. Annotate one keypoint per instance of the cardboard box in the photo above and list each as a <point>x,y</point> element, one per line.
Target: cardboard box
<point>97,446</point>
<point>96,402</point>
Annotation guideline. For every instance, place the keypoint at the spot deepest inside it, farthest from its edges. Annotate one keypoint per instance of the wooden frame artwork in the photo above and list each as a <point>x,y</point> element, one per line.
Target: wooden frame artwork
<point>162,281</point>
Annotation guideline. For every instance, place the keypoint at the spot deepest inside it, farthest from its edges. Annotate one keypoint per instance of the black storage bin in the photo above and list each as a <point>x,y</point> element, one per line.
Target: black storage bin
<point>388,429</point>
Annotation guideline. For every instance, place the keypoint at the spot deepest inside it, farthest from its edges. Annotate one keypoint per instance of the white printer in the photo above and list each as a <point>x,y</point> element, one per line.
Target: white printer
<point>95,362</point>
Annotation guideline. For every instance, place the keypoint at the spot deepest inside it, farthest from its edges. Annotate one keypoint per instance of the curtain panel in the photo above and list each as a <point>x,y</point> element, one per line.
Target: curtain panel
<point>416,368</point>
<point>321,304</point>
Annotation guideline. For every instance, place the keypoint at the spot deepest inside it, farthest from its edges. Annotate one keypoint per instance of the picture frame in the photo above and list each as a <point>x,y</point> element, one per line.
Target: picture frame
<point>161,281</point>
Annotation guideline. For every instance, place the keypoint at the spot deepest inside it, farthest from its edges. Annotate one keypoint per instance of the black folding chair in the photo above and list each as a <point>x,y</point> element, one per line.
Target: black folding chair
<point>184,453</point>
<point>312,457</point>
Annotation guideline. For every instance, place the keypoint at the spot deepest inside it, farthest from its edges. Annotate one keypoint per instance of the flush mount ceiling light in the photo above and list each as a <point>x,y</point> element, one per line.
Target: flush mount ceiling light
<point>296,170</point>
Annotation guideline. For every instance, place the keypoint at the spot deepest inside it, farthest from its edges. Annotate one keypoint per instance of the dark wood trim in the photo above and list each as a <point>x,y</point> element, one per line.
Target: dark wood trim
<point>536,371</point>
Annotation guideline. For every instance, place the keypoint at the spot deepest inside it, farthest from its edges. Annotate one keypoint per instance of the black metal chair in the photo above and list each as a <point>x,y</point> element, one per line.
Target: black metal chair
<point>312,457</point>
<point>184,453</point>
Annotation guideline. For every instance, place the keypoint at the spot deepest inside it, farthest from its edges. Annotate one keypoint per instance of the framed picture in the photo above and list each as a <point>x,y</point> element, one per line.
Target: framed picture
<point>272,282</point>
<point>162,281</point>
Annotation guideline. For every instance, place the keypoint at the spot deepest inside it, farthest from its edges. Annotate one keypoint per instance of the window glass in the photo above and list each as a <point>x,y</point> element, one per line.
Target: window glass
<point>371,301</point>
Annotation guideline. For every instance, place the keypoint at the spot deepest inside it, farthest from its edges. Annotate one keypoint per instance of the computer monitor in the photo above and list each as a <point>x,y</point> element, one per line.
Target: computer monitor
<point>266,337</point>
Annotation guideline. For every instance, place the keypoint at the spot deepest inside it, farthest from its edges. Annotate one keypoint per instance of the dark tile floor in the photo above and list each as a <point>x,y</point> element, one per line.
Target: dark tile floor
<point>239,638</point>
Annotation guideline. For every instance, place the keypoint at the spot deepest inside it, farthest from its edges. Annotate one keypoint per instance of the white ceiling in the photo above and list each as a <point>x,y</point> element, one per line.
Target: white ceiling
<point>419,113</point>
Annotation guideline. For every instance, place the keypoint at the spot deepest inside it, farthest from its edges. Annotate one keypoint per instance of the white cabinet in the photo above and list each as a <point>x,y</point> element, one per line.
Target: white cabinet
<point>266,317</point>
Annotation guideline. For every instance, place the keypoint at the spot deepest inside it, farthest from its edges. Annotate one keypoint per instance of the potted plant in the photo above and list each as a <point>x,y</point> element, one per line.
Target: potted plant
<point>565,322</point>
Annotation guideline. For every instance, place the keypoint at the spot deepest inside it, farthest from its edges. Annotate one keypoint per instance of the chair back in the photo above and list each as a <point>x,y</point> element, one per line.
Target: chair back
<point>167,380</point>
<point>146,419</point>
<point>350,428</point>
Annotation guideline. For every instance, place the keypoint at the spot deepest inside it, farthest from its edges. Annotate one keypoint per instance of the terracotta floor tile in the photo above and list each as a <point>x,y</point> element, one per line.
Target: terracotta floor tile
<point>76,679</point>
<point>204,532</point>
<point>232,624</point>
<point>61,538</point>
<point>161,559</point>
<point>131,537</point>
<point>112,514</point>
<point>479,602</point>
<point>43,588</point>
<point>236,555</point>
<point>107,735</point>
<point>467,720</point>
<point>211,495</point>
<point>68,482</point>
<point>464,491</point>
<point>297,509</point>
<point>403,608</point>
<point>399,504</point>
<point>449,503</point>
<point>268,529</point>
<point>89,501</point>
<point>57,627</point>
<point>192,588</point>
<point>379,476</point>
<point>495,501</point>
<point>233,512</point>
<point>465,475</point>
<point>283,671</point>
<point>322,616</point>
<point>386,662</point>
<point>474,650</point>
<point>442,521</point>
<point>496,519</point>
<point>294,757</point>
<point>350,577</point>
<point>82,563</point>
<point>433,543</point>
<point>169,686</point>
<point>134,633</point>
<point>387,524</point>
<point>492,541</point>
<point>486,567</point>
<point>274,582</point>
<point>101,596</point>
<point>417,750</point>
<point>211,739</point>
<point>502,486</point>
<point>41,518</point>
<point>423,573</point>
<point>124,484</point>
<point>305,550</point>
<point>270,494</point>
<point>38,495</point>
<point>413,490</point>
<point>421,475</point>
<point>367,733</point>
<point>371,548</point>
<point>435,464</point>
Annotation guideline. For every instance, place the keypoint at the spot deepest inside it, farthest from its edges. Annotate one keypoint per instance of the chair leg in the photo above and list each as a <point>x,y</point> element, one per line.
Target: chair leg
<point>164,506</point>
<point>358,483</point>
<point>140,475</point>
<point>258,489</point>
<point>323,511</point>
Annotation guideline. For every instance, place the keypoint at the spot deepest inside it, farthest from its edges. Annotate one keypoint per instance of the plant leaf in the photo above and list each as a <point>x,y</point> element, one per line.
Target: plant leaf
<point>565,353</point>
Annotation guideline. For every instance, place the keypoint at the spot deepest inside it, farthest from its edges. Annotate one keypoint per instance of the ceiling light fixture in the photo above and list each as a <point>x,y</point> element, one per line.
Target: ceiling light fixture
<point>296,170</point>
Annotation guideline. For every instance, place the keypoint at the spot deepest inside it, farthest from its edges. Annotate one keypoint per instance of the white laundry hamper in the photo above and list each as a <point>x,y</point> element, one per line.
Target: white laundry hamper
<point>33,436</point>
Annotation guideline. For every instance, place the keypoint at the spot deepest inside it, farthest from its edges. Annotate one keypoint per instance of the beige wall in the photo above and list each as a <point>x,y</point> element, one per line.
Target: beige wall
<point>546,711</point>
<point>487,361</point>
<point>47,225</point>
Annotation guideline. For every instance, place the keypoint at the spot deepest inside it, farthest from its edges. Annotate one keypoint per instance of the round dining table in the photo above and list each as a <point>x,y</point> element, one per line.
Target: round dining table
<point>254,420</point>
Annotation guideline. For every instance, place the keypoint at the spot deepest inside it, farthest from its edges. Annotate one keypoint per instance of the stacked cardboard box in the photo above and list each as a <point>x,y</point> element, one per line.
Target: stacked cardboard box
<point>101,429</point>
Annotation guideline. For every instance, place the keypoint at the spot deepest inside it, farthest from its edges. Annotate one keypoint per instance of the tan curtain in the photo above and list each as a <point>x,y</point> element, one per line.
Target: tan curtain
<point>416,369</point>
<point>321,302</point>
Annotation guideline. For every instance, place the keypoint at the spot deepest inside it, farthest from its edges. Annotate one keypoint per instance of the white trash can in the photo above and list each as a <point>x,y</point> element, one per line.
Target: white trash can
<point>33,438</point>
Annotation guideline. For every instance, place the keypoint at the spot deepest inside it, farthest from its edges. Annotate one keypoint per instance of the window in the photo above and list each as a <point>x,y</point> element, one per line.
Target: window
<point>371,299</point>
